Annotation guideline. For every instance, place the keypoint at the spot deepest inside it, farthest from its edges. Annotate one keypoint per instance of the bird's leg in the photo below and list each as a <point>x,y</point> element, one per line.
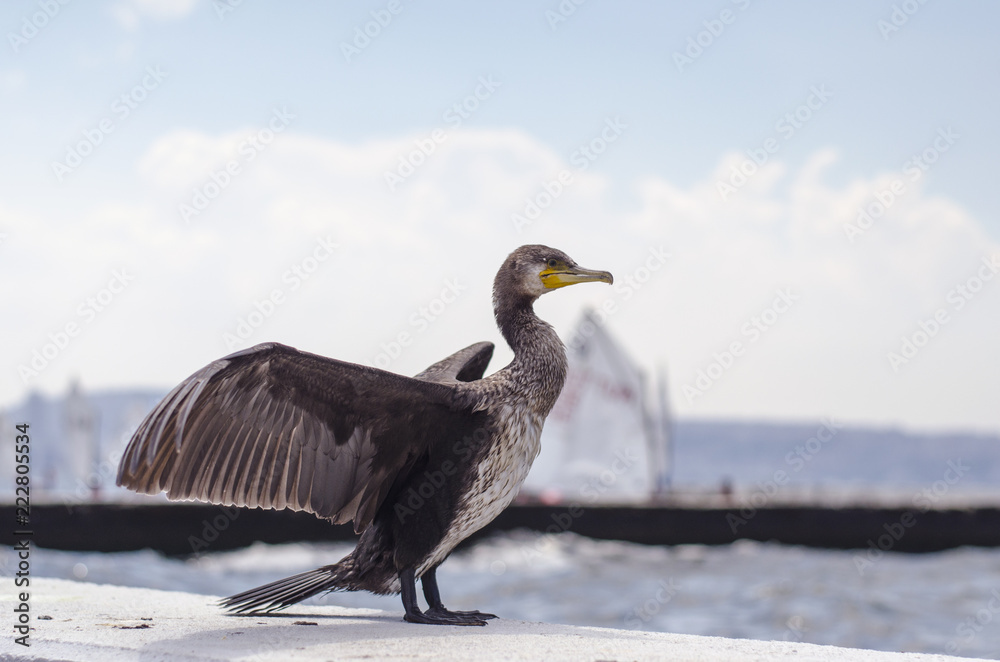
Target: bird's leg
<point>429,583</point>
<point>408,585</point>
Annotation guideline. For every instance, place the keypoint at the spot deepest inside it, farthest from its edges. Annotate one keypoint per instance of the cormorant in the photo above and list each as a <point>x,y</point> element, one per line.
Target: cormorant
<point>419,464</point>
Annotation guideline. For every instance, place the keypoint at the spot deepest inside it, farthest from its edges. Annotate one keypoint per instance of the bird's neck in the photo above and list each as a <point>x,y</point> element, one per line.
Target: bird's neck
<point>539,364</point>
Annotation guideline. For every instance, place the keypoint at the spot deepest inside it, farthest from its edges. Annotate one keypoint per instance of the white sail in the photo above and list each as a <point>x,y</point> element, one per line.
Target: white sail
<point>600,442</point>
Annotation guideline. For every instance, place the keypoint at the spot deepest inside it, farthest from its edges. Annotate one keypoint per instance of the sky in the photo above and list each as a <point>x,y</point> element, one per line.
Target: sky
<point>795,199</point>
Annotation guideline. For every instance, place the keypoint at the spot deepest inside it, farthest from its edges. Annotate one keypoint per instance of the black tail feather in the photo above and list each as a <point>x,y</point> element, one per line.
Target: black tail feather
<point>285,592</point>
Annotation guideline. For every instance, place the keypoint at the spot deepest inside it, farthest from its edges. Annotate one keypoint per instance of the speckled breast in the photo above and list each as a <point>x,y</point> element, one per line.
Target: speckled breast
<point>500,474</point>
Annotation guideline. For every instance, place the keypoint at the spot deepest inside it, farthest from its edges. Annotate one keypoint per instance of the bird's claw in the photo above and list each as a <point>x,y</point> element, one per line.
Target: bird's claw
<point>474,615</point>
<point>441,616</point>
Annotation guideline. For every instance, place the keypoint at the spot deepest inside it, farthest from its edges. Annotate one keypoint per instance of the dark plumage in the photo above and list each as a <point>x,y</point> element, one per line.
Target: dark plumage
<point>418,464</point>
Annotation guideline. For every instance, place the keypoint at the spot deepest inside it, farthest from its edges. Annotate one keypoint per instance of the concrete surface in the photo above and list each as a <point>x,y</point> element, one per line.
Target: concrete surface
<point>88,622</point>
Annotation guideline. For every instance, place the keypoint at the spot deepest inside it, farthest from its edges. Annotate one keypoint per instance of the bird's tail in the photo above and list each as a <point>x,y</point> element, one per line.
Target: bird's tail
<point>290,590</point>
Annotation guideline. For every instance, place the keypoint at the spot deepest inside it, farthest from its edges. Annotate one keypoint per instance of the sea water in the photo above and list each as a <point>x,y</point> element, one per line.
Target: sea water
<point>945,602</point>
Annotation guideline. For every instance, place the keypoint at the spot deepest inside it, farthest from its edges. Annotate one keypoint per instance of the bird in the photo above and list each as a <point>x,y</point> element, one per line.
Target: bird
<point>417,463</point>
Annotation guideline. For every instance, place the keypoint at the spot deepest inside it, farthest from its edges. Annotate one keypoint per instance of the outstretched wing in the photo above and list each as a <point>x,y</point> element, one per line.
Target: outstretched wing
<point>273,427</point>
<point>465,365</point>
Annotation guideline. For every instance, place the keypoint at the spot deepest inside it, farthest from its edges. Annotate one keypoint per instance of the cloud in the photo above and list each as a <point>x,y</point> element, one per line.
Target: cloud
<point>784,231</point>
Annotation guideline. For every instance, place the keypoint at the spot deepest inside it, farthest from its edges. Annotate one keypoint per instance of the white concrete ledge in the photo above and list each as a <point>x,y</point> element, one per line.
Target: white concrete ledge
<point>88,622</point>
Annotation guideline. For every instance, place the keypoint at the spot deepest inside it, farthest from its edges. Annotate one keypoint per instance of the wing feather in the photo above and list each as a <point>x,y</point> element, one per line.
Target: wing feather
<point>225,464</point>
<point>465,365</point>
<point>278,428</point>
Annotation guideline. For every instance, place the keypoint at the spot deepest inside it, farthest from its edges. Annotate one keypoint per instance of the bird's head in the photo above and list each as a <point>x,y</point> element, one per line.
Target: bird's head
<point>531,271</point>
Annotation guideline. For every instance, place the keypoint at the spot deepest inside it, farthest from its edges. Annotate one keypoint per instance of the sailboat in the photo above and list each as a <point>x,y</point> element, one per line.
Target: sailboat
<point>608,438</point>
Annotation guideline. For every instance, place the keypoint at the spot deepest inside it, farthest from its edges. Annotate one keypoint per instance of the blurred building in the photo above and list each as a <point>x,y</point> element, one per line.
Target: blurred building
<point>76,441</point>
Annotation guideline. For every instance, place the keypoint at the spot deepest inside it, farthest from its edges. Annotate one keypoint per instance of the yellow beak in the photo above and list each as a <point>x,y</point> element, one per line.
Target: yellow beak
<point>563,276</point>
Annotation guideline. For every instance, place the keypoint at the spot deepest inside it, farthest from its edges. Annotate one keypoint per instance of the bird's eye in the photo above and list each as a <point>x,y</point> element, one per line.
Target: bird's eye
<point>553,263</point>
